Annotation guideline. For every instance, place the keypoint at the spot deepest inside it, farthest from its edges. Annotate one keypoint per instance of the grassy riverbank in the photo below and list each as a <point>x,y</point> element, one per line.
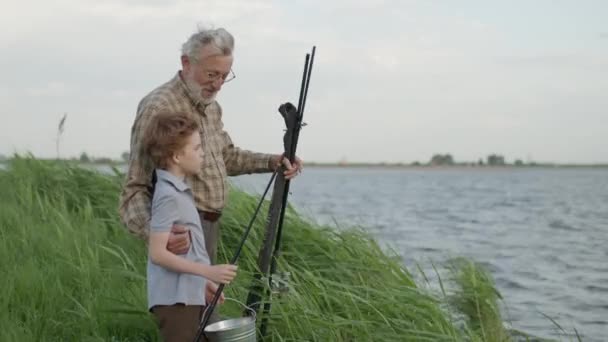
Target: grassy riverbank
<point>71,272</point>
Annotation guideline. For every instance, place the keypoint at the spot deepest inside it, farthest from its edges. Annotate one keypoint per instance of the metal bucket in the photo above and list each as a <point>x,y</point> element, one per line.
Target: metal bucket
<point>233,330</point>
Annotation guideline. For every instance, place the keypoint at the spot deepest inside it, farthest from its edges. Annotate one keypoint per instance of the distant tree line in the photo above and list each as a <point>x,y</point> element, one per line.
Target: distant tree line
<point>490,160</point>
<point>86,158</point>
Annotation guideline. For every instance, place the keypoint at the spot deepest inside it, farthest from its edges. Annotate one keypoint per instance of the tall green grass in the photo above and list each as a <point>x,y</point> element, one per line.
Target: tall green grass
<point>70,271</point>
<point>476,297</point>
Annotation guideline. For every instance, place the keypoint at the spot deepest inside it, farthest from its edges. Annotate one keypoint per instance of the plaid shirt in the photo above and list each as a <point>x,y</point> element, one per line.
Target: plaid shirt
<point>222,158</point>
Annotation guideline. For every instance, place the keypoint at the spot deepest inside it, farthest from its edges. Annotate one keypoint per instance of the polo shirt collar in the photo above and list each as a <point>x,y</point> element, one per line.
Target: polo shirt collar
<point>167,176</point>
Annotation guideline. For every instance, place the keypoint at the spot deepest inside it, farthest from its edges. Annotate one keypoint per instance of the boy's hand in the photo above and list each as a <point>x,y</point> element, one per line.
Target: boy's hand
<point>210,290</point>
<point>222,274</point>
<point>179,240</point>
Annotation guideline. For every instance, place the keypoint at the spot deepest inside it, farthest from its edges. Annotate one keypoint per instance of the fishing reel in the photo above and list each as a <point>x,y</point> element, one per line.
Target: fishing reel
<point>279,285</point>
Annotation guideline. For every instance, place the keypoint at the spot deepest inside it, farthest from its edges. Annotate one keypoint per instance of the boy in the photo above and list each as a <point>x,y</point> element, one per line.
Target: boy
<point>178,284</point>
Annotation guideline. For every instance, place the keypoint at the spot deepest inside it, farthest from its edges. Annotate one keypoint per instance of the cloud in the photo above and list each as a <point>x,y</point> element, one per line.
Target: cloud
<point>397,67</point>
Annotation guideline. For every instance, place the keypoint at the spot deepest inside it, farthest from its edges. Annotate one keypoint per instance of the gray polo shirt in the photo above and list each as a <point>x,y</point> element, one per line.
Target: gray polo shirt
<point>173,203</point>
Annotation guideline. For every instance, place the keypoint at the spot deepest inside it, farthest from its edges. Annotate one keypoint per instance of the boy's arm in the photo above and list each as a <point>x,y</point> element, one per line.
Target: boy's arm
<point>162,257</point>
<point>164,215</point>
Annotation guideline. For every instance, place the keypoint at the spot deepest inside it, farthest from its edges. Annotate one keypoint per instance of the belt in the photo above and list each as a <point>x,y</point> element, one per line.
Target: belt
<point>210,216</point>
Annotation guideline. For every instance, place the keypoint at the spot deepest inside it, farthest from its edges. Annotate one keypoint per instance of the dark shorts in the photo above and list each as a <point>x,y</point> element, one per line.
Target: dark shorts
<point>179,322</point>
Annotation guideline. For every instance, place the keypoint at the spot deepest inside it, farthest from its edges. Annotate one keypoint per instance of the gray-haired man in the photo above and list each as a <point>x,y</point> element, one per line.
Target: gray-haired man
<point>206,60</point>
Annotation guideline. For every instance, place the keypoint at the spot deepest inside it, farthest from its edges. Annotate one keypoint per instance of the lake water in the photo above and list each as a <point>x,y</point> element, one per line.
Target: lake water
<point>543,233</point>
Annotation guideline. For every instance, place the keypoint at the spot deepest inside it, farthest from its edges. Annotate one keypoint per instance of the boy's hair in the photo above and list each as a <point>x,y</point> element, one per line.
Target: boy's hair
<point>166,134</point>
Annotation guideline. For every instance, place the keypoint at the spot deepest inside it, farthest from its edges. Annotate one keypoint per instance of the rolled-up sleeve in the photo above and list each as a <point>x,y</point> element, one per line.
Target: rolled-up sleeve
<point>239,161</point>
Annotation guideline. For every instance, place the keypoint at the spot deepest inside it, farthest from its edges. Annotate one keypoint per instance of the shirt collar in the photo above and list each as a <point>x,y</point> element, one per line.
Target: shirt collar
<point>167,176</point>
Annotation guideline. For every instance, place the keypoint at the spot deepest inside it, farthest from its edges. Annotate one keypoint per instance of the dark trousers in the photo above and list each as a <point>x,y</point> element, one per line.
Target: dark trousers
<point>179,322</point>
<point>211,231</point>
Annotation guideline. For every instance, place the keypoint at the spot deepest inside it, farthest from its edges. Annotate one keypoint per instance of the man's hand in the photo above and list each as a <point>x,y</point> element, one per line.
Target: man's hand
<point>210,290</point>
<point>291,171</point>
<point>179,240</point>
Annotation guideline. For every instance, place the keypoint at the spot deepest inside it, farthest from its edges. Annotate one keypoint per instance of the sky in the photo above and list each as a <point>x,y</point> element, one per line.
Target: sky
<point>393,81</point>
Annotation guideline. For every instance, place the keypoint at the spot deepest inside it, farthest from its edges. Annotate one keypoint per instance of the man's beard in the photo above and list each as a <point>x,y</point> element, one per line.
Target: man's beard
<point>197,92</point>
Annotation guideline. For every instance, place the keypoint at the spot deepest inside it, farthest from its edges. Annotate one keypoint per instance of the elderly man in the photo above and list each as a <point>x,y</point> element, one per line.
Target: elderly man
<point>206,61</point>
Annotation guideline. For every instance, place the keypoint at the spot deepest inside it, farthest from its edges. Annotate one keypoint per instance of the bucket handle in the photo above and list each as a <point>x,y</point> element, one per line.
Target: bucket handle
<point>243,305</point>
<point>236,301</point>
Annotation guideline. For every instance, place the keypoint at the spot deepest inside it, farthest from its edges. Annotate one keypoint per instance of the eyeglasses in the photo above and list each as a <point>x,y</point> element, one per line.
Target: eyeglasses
<point>214,76</point>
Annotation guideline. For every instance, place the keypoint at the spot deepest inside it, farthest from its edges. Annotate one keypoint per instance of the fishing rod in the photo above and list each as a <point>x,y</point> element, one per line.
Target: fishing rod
<point>292,156</point>
<point>267,259</point>
<point>220,289</point>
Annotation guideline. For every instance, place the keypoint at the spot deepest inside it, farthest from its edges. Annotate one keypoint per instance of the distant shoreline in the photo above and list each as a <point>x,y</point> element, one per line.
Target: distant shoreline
<point>456,166</point>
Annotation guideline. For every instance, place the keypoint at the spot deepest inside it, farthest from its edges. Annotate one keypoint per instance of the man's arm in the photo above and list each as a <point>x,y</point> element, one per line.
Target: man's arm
<point>135,208</point>
<point>239,161</point>
<point>136,194</point>
<point>236,160</point>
